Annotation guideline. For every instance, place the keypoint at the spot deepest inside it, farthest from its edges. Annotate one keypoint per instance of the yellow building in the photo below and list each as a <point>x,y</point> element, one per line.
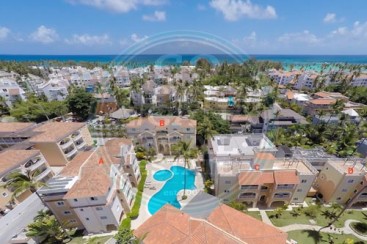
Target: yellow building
<point>340,180</point>
<point>60,142</point>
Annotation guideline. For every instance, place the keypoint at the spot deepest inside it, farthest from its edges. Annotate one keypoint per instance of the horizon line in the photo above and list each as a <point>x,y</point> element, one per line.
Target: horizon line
<point>258,54</point>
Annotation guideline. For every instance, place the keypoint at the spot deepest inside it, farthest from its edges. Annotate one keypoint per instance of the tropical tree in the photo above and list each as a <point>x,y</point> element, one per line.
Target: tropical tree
<point>49,229</point>
<point>20,182</point>
<point>81,103</point>
<point>183,149</point>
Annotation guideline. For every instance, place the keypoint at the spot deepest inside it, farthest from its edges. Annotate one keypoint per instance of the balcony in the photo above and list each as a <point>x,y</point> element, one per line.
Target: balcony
<point>66,143</point>
<point>363,196</point>
<point>80,144</point>
<point>247,195</point>
<point>43,174</point>
<point>34,163</point>
<point>249,187</point>
<point>285,187</point>
<point>282,195</point>
<point>70,153</point>
<point>76,136</point>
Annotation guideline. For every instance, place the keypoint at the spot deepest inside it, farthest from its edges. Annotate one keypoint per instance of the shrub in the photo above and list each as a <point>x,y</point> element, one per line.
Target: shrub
<point>360,227</point>
<point>140,155</point>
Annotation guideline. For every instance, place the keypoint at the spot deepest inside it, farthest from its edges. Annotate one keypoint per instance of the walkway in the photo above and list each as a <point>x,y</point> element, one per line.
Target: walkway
<point>344,230</point>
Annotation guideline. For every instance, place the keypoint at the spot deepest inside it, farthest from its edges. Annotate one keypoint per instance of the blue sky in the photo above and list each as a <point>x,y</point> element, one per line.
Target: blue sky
<point>119,26</point>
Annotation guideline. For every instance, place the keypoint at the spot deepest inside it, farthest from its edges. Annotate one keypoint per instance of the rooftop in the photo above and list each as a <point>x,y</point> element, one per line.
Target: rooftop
<point>9,128</point>
<point>237,145</point>
<point>223,225</point>
<point>55,131</point>
<point>344,166</point>
<point>167,121</point>
<point>11,159</point>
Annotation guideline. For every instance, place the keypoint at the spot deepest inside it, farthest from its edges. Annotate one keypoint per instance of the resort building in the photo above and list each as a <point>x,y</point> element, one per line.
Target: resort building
<point>26,162</point>
<point>12,133</point>
<point>60,142</point>
<point>245,169</point>
<point>222,225</point>
<point>284,77</point>
<point>341,181</point>
<point>122,152</point>
<point>106,104</point>
<point>10,91</point>
<point>360,80</point>
<point>161,132</point>
<point>219,97</point>
<point>306,80</point>
<point>92,192</point>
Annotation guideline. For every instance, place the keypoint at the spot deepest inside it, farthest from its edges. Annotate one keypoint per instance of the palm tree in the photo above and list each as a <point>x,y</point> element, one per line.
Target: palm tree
<point>206,130</point>
<point>50,229</point>
<point>183,149</point>
<point>20,182</point>
<point>41,214</point>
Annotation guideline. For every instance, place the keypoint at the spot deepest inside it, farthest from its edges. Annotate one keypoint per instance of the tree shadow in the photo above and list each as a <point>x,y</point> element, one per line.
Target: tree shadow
<point>315,235</point>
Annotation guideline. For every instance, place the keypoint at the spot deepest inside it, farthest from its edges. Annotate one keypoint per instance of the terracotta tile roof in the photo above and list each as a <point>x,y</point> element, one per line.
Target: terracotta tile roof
<point>323,101</point>
<point>14,91</point>
<point>255,178</point>
<point>94,177</point>
<point>244,227</point>
<point>168,120</point>
<point>55,131</point>
<point>113,148</point>
<point>73,167</point>
<point>289,94</point>
<point>224,225</point>
<point>11,159</point>
<point>14,126</point>
<point>286,177</point>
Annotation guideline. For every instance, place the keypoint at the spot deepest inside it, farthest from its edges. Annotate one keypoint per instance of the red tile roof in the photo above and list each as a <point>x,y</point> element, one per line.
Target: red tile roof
<point>255,178</point>
<point>286,177</point>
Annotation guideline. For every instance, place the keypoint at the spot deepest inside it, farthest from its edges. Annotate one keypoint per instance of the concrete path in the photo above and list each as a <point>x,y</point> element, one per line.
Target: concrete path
<point>265,218</point>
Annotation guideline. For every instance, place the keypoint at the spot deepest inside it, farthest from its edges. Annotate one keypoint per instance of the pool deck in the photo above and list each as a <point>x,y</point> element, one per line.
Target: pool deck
<point>152,186</point>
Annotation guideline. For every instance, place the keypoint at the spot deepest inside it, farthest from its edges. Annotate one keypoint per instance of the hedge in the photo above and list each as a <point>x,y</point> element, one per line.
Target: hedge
<point>126,223</point>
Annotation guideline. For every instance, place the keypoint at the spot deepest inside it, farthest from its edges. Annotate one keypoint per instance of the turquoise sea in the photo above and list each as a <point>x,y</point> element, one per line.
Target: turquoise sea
<point>157,59</point>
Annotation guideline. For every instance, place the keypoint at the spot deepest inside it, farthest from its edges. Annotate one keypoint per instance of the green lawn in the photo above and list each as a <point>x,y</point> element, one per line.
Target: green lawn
<point>320,218</point>
<point>95,240</point>
<point>313,237</point>
<point>255,214</point>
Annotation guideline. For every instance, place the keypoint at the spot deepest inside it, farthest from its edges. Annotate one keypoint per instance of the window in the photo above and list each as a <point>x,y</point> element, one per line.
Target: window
<point>303,181</point>
<point>339,198</point>
<point>4,194</point>
<point>81,210</point>
<point>72,221</point>
<point>61,203</point>
<point>187,129</point>
<point>93,199</point>
<point>227,182</point>
<point>99,208</point>
<point>344,190</point>
<point>75,200</point>
<point>350,181</point>
<point>103,217</point>
<point>67,212</point>
<point>87,219</point>
<point>295,199</point>
<point>226,191</point>
<point>299,190</point>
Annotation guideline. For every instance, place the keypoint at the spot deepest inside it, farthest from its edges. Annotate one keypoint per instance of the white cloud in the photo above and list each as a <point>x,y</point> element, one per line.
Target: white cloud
<point>120,6</point>
<point>89,40</point>
<point>357,31</point>
<point>299,37</point>
<point>44,35</point>
<point>4,32</point>
<point>251,37</point>
<point>156,16</point>
<point>330,18</point>
<point>135,38</point>
<point>236,9</point>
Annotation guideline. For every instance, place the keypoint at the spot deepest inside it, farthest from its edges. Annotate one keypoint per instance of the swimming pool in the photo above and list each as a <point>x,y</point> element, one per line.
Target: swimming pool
<point>162,175</point>
<point>168,193</point>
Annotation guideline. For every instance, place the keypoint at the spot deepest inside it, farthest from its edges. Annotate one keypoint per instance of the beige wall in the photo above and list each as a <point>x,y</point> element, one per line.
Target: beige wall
<point>86,135</point>
<point>53,153</point>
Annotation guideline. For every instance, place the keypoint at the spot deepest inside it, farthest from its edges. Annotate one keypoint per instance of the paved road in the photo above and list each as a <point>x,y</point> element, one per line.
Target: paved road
<point>18,218</point>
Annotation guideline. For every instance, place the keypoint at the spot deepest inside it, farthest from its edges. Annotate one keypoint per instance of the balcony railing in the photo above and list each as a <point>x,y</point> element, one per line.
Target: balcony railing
<point>247,195</point>
<point>43,174</point>
<point>282,196</point>
<point>34,163</point>
<point>76,135</point>
<point>71,152</point>
<point>65,143</point>
<point>290,187</point>
<point>79,144</point>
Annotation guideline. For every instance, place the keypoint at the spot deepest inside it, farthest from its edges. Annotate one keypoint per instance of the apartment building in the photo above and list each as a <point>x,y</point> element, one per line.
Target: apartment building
<point>360,80</point>
<point>12,133</point>
<point>284,77</point>
<point>245,169</point>
<point>122,152</point>
<point>61,141</point>
<point>23,161</point>
<point>11,91</point>
<point>90,193</point>
<point>55,89</point>
<point>161,132</point>
<point>341,181</point>
<point>306,81</point>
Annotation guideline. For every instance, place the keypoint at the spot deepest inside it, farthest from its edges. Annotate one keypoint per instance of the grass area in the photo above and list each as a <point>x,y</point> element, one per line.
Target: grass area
<point>255,214</point>
<point>126,223</point>
<point>313,237</point>
<point>94,240</point>
<point>320,214</point>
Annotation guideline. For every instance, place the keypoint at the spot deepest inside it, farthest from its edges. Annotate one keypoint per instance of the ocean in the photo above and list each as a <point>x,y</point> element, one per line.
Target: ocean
<point>142,60</point>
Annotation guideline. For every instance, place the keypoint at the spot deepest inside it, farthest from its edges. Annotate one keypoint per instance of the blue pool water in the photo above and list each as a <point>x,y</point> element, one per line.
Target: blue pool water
<point>168,193</point>
<point>162,175</point>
